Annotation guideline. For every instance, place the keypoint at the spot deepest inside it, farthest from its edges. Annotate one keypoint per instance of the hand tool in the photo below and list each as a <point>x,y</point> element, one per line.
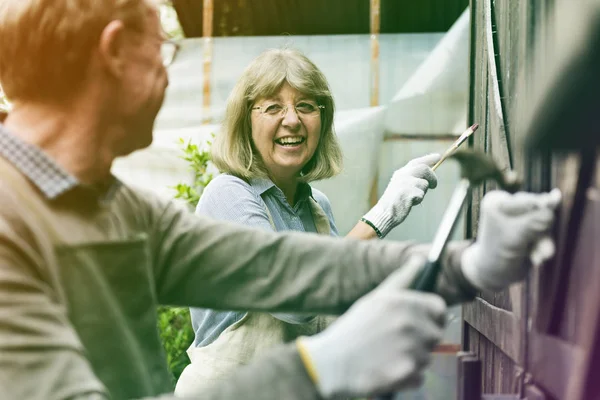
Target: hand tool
<point>462,138</point>
<point>476,167</point>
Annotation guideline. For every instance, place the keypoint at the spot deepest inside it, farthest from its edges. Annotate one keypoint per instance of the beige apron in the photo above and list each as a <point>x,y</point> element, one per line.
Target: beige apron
<point>242,341</point>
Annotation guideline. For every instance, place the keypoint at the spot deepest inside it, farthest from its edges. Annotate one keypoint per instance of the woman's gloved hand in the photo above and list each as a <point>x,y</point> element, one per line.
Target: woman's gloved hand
<point>381,344</point>
<point>513,235</point>
<point>406,189</point>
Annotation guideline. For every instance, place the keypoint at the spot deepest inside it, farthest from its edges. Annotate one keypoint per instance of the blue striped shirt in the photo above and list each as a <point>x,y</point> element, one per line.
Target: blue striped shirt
<point>233,199</point>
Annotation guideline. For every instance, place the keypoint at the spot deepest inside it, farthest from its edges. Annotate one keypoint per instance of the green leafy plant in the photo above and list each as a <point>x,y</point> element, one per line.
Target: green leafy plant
<point>198,158</point>
<point>176,334</point>
<point>174,323</point>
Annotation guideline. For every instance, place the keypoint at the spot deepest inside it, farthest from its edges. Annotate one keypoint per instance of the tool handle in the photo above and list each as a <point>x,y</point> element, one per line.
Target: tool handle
<point>446,154</point>
<point>427,279</point>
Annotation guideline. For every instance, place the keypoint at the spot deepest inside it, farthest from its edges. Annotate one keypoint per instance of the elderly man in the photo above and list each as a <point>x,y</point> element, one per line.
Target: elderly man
<point>85,259</point>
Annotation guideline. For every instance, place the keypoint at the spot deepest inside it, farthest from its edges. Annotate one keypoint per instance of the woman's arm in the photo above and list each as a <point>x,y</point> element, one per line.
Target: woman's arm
<point>362,231</point>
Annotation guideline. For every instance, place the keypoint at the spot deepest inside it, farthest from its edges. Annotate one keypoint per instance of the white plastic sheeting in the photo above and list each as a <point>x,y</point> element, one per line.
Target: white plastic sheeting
<point>432,101</point>
<point>439,88</point>
<point>360,133</point>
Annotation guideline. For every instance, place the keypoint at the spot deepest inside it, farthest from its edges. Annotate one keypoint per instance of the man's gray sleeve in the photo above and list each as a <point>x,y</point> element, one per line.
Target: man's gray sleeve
<point>201,262</point>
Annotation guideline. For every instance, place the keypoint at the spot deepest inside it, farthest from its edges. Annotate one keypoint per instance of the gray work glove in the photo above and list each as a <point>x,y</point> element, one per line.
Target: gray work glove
<point>512,236</point>
<point>406,189</point>
<point>381,344</point>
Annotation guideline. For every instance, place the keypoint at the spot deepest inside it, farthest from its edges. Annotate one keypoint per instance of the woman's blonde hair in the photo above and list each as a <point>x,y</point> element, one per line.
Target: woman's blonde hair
<point>233,151</point>
<point>45,44</point>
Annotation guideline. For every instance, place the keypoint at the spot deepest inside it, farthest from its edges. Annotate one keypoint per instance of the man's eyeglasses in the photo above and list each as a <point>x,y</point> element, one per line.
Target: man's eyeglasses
<point>304,108</point>
<point>168,52</point>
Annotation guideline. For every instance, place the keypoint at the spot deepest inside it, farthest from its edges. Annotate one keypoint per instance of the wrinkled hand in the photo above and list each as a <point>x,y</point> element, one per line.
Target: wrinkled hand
<point>513,235</point>
<point>381,344</point>
<point>406,189</point>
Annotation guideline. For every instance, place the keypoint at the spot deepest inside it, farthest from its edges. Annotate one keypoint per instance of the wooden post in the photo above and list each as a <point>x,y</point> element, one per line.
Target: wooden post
<point>207,32</point>
<point>375,25</point>
<point>375,10</point>
<point>469,377</point>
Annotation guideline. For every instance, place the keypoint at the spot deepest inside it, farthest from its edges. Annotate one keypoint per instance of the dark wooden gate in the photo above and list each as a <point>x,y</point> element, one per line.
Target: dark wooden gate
<point>535,91</point>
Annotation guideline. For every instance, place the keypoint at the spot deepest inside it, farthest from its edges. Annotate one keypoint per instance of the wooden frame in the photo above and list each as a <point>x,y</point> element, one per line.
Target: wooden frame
<point>527,346</point>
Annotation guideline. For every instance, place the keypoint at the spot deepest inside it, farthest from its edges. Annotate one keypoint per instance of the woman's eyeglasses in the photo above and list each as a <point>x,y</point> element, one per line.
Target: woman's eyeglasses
<point>278,110</point>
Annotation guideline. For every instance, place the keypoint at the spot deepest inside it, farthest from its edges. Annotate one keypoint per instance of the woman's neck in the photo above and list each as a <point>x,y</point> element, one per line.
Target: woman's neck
<point>289,187</point>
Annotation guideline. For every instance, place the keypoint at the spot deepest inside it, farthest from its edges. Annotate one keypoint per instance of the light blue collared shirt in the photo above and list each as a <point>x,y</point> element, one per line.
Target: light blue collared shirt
<point>233,199</point>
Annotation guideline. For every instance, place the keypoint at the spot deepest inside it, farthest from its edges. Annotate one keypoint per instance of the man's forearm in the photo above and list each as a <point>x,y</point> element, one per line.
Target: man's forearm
<point>211,264</point>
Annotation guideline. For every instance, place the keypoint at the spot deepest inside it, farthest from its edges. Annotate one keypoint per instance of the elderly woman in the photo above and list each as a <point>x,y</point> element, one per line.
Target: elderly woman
<point>277,137</point>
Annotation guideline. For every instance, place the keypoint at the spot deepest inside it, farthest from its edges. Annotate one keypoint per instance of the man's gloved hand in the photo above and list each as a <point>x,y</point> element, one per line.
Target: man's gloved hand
<point>381,344</point>
<point>406,189</point>
<point>513,235</point>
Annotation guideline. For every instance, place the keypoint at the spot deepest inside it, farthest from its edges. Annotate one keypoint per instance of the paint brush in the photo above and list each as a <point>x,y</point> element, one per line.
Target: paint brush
<point>465,135</point>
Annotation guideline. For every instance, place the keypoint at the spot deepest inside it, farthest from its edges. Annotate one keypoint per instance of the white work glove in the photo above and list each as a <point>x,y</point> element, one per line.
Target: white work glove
<point>406,189</point>
<point>381,344</point>
<point>512,236</point>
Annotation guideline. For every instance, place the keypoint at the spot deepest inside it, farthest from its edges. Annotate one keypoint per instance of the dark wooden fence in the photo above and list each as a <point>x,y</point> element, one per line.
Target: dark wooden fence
<point>535,90</point>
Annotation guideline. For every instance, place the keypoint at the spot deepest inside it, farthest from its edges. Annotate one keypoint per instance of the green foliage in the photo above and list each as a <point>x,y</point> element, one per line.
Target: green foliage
<point>176,334</point>
<point>198,158</point>
<point>174,324</point>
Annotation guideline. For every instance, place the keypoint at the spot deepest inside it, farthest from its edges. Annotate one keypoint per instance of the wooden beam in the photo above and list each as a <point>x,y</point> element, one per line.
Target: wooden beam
<point>447,348</point>
<point>468,385</point>
<point>207,33</point>
<point>189,14</point>
<point>375,10</point>
<point>398,137</point>
<point>499,326</point>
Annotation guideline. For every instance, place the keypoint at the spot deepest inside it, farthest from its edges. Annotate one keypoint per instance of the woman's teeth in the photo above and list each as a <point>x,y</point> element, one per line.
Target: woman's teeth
<point>290,141</point>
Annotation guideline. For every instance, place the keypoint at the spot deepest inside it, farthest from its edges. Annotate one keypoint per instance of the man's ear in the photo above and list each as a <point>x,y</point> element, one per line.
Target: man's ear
<point>112,48</point>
